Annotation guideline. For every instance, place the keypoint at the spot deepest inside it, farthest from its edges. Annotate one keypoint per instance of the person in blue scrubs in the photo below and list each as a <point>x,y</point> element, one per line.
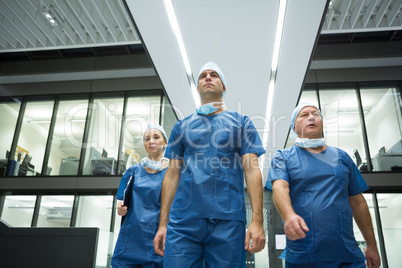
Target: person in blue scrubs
<point>203,189</point>
<point>134,247</point>
<point>317,190</point>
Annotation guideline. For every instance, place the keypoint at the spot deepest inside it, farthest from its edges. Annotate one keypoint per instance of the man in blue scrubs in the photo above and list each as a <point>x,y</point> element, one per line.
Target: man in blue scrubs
<point>203,189</point>
<point>317,190</point>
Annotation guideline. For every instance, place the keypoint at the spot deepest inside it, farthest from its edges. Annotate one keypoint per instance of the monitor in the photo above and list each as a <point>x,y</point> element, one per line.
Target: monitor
<point>27,159</point>
<point>358,158</point>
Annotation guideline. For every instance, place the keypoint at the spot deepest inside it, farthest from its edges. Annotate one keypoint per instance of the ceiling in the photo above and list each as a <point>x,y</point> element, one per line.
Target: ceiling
<point>76,23</point>
<point>238,34</point>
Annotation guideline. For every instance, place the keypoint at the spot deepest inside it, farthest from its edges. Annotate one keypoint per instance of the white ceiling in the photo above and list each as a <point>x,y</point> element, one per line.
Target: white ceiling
<point>237,34</point>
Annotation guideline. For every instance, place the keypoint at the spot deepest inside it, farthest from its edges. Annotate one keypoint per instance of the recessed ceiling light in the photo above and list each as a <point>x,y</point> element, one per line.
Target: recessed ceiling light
<point>274,65</point>
<point>176,30</point>
<point>49,18</point>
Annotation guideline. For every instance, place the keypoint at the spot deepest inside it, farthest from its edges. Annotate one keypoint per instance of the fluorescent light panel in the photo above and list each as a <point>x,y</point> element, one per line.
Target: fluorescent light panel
<point>39,121</point>
<point>176,30</point>
<point>274,65</point>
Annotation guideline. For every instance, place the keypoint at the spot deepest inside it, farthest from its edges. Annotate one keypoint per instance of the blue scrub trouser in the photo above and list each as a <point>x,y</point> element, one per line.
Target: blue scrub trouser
<point>329,264</point>
<point>146,265</point>
<point>205,242</point>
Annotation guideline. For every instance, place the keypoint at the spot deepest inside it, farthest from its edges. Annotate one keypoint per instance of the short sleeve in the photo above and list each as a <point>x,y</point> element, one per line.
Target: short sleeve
<point>250,140</point>
<point>175,146</point>
<point>277,170</point>
<point>124,181</point>
<point>357,183</point>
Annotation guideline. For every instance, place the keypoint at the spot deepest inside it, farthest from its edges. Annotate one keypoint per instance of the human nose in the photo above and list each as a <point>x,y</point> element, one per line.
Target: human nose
<point>310,117</point>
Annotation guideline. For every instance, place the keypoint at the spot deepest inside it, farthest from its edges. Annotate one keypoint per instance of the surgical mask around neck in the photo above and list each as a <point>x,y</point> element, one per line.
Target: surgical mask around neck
<point>310,143</point>
<point>152,164</point>
<point>209,108</point>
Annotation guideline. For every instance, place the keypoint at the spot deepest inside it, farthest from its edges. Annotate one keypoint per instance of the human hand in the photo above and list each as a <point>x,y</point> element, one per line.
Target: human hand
<point>121,209</point>
<point>295,227</point>
<point>159,240</point>
<point>372,257</point>
<point>255,234</point>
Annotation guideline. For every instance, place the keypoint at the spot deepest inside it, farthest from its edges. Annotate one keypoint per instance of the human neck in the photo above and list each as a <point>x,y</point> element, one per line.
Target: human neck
<point>316,150</point>
<point>209,99</point>
<point>157,157</point>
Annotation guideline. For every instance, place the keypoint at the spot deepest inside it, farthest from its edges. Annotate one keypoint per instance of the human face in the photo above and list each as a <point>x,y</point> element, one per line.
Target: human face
<point>308,123</point>
<point>154,142</point>
<point>210,82</point>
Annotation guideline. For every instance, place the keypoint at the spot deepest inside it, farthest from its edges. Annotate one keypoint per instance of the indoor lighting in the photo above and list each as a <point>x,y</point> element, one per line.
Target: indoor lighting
<point>39,121</point>
<point>77,120</point>
<point>274,65</point>
<point>49,18</point>
<point>176,30</point>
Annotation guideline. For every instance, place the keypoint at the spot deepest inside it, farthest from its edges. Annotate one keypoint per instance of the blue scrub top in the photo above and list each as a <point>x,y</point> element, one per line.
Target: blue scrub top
<point>320,186</point>
<point>211,181</point>
<point>135,242</point>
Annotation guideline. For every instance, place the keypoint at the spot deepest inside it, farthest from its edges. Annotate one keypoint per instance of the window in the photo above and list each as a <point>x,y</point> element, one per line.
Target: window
<point>67,137</point>
<point>96,211</point>
<point>382,114</point>
<point>18,210</point>
<point>31,145</point>
<point>9,110</point>
<point>140,112</point>
<point>84,126</point>
<point>103,136</point>
<point>391,220</point>
<point>342,126</point>
<point>55,211</point>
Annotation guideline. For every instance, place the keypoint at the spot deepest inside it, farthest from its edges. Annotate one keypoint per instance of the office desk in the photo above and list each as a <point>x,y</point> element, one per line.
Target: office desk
<point>385,161</point>
<point>103,166</point>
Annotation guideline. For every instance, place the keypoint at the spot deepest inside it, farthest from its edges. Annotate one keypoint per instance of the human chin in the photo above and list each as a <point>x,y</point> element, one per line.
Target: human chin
<point>311,135</point>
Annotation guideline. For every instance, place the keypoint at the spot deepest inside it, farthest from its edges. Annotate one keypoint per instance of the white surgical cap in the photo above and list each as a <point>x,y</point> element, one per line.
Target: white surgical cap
<point>296,112</point>
<point>158,127</point>
<point>213,67</point>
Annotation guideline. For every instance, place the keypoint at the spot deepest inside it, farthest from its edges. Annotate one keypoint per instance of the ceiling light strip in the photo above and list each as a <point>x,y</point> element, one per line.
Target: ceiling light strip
<point>274,66</point>
<point>176,30</point>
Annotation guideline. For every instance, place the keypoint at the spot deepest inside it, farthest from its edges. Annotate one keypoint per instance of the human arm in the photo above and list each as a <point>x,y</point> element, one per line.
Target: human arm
<point>121,209</point>
<point>253,177</point>
<point>295,226</point>
<point>169,186</point>
<point>362,217</point>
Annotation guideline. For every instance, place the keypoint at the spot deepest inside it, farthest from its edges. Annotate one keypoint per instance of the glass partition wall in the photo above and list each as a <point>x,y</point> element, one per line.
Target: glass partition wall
<point>97,134</point>
<point>9,110</point>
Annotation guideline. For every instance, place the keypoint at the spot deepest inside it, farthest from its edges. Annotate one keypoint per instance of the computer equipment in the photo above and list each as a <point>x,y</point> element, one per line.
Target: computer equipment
<point>357,157</point>
<point>360,165</point>
<point>104,153</point>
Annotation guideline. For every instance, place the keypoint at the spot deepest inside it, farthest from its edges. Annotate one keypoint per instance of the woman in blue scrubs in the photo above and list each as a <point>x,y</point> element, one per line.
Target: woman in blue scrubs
<point>143,183</point>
